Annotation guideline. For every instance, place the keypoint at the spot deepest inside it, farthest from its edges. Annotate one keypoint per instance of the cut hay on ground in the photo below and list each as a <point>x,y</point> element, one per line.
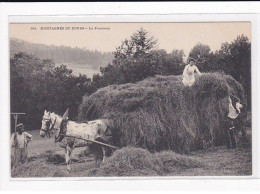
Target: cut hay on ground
<point>160,113</point>
<point>128,161</point>
<point>131,161</point>
<point>40,166</point>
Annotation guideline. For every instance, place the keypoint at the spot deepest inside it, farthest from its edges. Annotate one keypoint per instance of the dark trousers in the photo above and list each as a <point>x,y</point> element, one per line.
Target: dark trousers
<point>229,133</point>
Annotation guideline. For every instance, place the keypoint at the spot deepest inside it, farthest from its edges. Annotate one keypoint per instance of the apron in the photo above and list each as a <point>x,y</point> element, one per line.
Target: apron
<point>188,78</point>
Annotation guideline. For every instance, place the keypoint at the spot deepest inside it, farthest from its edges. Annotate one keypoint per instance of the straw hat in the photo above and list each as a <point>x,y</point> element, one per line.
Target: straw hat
<point>20,127</point>
<point>191,59</point>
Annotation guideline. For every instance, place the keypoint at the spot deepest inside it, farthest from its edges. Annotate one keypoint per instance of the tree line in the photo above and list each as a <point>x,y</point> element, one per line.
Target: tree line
<point>36,84</point>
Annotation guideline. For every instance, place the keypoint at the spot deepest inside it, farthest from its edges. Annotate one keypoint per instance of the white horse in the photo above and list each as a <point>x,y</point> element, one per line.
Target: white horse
<point>65,131</point>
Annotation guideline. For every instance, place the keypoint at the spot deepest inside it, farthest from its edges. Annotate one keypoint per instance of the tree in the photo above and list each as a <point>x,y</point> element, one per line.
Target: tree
<point>176,63</point>
<point>138,58</point>
<point>140,45</point>
<point>199,51</point>
<point>132,59</point>
<point>168,64</point>
<point>204,57</point>
<point>235,59</point>
<point>27,73</point>
<point>37,85</point>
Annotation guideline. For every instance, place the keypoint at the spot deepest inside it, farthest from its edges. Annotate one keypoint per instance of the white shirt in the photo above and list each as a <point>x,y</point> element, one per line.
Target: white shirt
<point>188,74</point>
<point>233,113</point>
<point>22,140</point>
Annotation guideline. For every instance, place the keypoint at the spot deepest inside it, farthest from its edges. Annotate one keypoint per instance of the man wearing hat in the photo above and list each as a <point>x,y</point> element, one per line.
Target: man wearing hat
<point>19,142</point>
<point>188,73</point>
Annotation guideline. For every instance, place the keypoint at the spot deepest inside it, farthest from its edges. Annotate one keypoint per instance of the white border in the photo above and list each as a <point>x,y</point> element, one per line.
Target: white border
<point>133,18</point>
<point>63,12</point>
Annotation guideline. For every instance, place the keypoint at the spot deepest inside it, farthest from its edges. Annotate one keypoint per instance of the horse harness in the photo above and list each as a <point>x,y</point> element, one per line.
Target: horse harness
<point>49,126</point>
<point>62,133</point>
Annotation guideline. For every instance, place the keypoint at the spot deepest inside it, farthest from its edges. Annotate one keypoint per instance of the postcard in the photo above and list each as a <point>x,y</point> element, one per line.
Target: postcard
<point>130,99</point>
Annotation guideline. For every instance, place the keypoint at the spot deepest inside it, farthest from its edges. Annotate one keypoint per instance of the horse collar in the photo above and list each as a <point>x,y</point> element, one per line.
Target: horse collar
<point>62,132</point>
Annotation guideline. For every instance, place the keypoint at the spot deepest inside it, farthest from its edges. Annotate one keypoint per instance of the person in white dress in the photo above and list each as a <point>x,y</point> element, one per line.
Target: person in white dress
<point>188,72</point>
<point>19,142</point>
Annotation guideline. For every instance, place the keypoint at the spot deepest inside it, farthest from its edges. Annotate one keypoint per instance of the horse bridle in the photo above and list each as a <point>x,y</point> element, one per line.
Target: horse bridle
<point>49,126</point>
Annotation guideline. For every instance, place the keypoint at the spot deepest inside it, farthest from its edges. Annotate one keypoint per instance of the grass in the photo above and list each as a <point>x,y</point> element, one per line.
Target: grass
<point>130,161</point>
<point>215,162</point>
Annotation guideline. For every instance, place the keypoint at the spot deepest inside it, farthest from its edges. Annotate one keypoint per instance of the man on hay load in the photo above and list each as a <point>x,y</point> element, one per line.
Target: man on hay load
<point>19,143</point>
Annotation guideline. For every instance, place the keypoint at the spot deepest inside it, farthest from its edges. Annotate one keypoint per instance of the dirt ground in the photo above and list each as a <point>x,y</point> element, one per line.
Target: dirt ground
<point>46,159</point>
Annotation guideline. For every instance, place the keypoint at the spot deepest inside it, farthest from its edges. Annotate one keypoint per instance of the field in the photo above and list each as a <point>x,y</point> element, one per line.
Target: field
<point>46,159</point>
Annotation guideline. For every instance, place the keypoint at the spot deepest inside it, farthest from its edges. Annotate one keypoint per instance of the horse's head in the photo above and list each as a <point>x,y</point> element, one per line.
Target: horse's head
<point>57,122</point>
<point>46,122</point>
<point>50,122</point>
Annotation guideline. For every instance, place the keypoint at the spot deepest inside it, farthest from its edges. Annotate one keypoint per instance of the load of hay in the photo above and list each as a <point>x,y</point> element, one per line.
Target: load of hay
<point>160,113</point>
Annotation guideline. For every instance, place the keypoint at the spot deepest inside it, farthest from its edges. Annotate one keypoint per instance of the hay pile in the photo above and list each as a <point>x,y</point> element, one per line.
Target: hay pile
<point>160,113</point>
<point>130,161</point>
<point>42,165</point>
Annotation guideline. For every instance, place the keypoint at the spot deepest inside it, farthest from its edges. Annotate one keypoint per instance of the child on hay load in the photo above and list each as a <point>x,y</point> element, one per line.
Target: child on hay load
<point>188,72</point>
<point>229,122</point>
<point>19,142</point>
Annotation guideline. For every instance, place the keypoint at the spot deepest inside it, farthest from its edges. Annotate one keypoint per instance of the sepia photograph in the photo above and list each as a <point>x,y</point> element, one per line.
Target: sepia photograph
<point>130,99</point>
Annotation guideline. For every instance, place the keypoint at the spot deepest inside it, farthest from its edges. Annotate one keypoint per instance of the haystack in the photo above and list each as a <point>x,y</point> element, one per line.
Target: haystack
<point>160,113</point>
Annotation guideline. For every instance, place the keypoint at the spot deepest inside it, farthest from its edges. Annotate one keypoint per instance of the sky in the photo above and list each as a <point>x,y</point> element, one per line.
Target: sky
<point>106,37</point>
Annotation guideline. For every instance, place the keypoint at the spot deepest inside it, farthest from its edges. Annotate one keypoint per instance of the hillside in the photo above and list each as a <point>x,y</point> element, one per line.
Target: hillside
<point>62,54</point>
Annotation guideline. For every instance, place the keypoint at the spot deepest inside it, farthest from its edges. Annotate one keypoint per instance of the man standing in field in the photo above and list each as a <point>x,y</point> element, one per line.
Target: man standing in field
<point>19,142</point>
